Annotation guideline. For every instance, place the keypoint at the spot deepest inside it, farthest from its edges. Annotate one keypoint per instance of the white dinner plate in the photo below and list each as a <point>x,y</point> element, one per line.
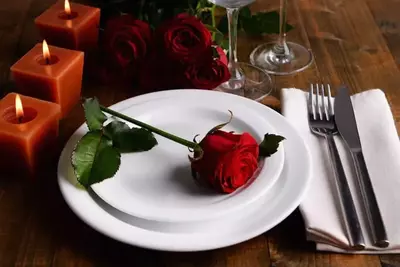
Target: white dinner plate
<point>282,198</point>
<point>158,185</point>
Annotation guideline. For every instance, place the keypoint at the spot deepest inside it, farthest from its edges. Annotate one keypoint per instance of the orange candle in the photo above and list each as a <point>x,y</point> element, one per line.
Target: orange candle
<point>52,74</point>
<point>72,26</point>
<point>28,133</point>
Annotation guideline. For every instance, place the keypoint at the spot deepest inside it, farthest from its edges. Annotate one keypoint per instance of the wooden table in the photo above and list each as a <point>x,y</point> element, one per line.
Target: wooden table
<point>356,42</point>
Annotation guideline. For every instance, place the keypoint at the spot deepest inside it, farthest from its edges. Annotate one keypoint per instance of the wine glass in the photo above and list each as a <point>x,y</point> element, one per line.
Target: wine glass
<point>246,80</point>
<point>281,57</point>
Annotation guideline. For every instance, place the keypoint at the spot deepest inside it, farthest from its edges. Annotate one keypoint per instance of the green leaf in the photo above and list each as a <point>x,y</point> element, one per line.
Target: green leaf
<point>218,38</point>
<point>94,159</point>
<point>218,35</point>
<point>225,44</point>
<point>94,117</point>
<point>270,144</point>
<point>114,128</point>
<point>126,139</point>
<point>212,28</point>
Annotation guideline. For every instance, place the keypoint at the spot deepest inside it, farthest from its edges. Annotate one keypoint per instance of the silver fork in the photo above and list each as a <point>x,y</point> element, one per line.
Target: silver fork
<point>322,123</point>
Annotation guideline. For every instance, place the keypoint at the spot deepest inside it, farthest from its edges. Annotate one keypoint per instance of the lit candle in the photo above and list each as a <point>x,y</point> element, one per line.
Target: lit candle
<point>52,74</point>
<point>28,133</point>
<point>72,26</point>
<point>67,9</point>
<point>19,109</point>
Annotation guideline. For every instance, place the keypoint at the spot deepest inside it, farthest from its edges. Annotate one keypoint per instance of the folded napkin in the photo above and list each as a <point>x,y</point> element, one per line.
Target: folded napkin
<point>381,148</point>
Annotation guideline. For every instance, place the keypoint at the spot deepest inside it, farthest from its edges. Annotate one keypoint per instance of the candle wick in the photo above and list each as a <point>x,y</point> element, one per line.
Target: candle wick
<point>20,119</point>
<point>68,14</point>
<point>47,61</point>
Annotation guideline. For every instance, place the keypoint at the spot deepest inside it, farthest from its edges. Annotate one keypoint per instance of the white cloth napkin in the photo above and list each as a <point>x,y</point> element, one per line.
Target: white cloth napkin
<point>381,148</point>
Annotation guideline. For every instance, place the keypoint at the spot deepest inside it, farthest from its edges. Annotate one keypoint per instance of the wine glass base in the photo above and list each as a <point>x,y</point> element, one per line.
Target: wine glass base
<point>281,60</point>
<point>255,83</point>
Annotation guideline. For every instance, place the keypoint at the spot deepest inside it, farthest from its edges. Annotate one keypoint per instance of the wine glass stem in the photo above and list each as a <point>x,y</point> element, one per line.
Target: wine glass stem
<point>233,15</point>
<point>282,23</point>
<point>237,79</point>
<point>280,52</point>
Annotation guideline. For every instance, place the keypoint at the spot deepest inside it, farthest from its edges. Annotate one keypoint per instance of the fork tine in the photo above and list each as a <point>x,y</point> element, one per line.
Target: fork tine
<point>325,111</point>
<point>330,106</point>
<point>311,101</point>
<point>319,113</point>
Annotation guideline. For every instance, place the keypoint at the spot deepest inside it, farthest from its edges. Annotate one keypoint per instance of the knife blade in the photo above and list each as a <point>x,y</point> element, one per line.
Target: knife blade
<point>346,120</point>
<point>347,126</point>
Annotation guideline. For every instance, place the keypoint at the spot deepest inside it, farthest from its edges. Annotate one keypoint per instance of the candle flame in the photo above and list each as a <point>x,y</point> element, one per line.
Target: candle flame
<point>19,110</point>
<point>46,51</point>
<point>67,7</point>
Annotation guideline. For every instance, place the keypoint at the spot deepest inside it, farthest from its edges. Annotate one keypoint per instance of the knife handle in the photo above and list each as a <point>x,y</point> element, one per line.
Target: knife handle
<point>374,216</point>
<point>356,238</point>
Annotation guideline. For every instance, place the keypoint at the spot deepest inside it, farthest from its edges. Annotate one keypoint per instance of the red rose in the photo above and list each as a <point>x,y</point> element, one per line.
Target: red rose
<point>127,41</point>
<point>185,38</point>
<point>207,76</point>
<point>228,162</point>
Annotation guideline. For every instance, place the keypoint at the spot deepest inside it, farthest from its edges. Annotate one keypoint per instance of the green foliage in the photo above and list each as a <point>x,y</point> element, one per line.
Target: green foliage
<point>127,139</point>
<point>94,159</point>
<point>270,144</point>
<point>94,117</point>
<point>97,155</point>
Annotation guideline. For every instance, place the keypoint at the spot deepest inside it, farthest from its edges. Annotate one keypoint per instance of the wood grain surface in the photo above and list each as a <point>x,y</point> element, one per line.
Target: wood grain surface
<point>355,42</point>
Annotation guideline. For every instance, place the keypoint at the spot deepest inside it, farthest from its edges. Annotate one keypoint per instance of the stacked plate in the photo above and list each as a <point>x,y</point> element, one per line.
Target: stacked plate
<point>153,201</point>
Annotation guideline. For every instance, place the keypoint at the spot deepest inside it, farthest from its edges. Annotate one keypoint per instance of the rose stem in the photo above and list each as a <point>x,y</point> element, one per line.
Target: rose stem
<point>214,24</point>
<point>196,147</point>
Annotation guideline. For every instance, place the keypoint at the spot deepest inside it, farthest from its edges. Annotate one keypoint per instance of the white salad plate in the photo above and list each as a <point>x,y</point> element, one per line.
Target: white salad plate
<point>158,184</point>
<point>241,223</point>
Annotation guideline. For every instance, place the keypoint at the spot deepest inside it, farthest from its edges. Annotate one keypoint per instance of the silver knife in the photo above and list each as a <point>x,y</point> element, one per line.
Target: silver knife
<point>347,126</point>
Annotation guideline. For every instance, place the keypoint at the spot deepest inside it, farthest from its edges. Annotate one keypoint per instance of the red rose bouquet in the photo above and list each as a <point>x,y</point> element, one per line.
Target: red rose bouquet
<point>177,54</point>
<point>152,44</point>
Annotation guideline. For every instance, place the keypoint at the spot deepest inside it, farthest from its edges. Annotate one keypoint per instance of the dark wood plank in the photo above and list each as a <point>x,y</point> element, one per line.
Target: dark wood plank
<point>390,260</point>
<point>386,17</point>
<point>346,52</point>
